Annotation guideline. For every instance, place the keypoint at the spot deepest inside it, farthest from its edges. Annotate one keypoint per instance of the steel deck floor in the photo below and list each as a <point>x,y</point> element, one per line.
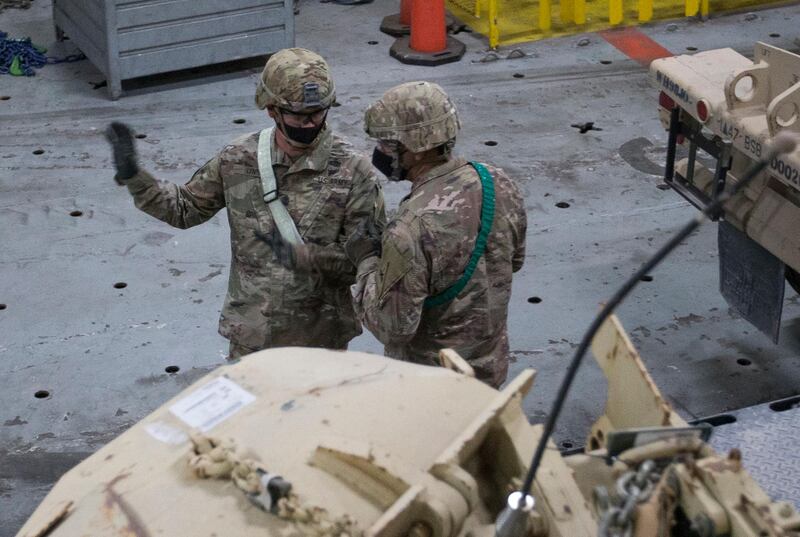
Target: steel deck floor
<point>101,352</point>
<point>765,435</point>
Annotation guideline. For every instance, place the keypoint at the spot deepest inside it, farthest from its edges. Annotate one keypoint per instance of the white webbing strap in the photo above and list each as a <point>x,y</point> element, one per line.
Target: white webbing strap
<point>280,215</point>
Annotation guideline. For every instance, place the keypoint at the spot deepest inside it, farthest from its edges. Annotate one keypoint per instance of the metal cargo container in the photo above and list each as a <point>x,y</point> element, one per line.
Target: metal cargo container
<point>131,38</point>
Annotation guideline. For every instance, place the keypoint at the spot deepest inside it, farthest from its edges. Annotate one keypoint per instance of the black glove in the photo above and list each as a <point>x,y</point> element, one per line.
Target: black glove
<point>285,253</point>
<point>364,242</point>
<point>120,136</point>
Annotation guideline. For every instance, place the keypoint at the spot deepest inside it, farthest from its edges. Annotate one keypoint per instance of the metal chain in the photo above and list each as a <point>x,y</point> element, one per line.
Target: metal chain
<point>14,4</point>
<point>69,58</point>
<point>21,56</point>
<point>632,488</point>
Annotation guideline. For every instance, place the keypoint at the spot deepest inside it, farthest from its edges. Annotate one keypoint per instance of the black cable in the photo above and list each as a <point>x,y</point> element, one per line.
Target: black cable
<point>783,145</point>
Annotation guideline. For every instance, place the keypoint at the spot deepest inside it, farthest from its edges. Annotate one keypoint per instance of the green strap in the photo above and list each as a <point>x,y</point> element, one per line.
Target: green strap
<point>15,68</point>
<point>487,217</point>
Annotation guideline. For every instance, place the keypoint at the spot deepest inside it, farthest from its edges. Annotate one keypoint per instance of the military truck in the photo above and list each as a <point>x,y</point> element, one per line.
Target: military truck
<point>720,105</point>
<point>314,442</point>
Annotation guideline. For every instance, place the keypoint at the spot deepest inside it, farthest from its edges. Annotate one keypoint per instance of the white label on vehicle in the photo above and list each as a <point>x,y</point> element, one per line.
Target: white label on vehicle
<point>212,404</point>
<point>166,433</point>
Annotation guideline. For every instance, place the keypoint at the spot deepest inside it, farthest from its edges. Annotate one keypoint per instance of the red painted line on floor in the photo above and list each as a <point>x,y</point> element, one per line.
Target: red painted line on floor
<point>635,45</point>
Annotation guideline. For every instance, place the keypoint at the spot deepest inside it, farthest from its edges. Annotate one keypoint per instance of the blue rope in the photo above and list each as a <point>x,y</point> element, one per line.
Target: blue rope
<point>20,56</point>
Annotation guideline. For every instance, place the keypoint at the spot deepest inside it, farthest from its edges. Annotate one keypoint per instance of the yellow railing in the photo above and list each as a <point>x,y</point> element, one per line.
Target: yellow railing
<point>512,21</point>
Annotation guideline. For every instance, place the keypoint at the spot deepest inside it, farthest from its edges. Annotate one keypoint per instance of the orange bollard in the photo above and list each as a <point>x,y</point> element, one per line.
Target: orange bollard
<point>428,33</point>
<point>399,24</point>
<point>429,43</point>
<point>405,12</point>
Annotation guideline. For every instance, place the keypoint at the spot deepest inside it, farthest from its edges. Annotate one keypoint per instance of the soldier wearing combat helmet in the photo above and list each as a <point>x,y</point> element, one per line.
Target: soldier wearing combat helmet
<point>293,194</point>
<point>441,274</point>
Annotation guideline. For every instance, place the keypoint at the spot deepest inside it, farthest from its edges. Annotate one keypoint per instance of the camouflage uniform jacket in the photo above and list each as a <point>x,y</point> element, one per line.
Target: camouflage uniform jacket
<point>426,248</point>
<point>328,190</point>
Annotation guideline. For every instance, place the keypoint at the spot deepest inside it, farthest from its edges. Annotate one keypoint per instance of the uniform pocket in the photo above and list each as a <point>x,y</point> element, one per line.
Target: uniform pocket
<point>245,220</point>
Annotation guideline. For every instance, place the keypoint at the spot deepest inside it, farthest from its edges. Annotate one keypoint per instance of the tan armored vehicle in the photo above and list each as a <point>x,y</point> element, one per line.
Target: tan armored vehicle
<point>321,443</point>
<point>731,108</point>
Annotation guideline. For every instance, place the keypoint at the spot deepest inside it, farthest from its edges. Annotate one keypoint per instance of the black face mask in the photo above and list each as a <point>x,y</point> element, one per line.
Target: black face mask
<point>382,162</point>
<point>388,165</point>
<point>303,135</point>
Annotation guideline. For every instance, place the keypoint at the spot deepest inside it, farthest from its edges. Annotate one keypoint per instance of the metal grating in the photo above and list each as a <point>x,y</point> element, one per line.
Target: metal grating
<point>767,440</point>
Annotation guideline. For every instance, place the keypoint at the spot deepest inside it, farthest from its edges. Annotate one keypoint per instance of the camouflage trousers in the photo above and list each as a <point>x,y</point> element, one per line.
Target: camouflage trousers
<point>236,351</point>
<point>491,370</point>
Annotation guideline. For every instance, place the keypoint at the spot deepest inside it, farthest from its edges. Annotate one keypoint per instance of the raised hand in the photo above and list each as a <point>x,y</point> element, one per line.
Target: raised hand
<point>120,136</point>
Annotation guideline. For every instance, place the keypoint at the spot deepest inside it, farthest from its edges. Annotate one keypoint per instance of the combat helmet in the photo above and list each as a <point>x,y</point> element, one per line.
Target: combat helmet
<point>419,115</point>
<point>297,80</point>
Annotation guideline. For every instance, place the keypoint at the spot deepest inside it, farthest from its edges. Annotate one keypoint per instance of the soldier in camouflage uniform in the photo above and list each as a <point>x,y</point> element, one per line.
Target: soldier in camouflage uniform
<point>400,291</point>
<point>279,293</point>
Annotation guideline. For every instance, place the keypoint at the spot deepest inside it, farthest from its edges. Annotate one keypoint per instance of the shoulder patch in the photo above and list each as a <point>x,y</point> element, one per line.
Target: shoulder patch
<point>397,257</point>
<point>362,165</point>
<point>341,148</point>
<point>246,140</point>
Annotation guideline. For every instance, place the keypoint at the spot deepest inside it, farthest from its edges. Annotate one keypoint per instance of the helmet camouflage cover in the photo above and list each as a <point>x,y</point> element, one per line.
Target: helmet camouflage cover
<point>297,80</point>
<point>419,115</point>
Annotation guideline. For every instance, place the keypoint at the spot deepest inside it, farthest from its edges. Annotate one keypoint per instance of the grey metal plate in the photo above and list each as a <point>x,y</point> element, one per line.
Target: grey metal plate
<point>751,279</point>
<point>768,441</point>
